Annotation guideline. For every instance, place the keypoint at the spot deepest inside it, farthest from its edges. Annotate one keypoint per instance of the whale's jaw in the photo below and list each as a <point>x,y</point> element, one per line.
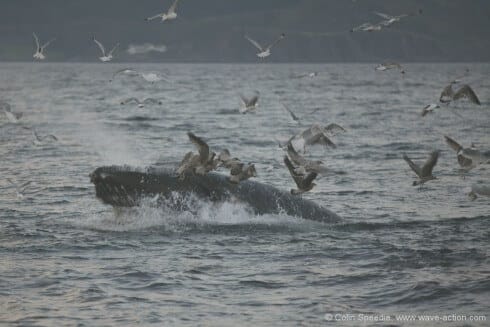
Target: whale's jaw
<point>123,186</point>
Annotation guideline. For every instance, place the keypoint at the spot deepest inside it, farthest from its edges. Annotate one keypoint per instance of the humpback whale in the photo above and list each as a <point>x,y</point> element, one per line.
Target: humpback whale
<point>125,186</point>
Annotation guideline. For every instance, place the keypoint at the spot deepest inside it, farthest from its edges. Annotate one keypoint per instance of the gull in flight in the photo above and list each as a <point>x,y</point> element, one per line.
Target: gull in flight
<point>429,108</point>
<point>389,65</point>
<point>11,116</point>
<point>304,165</point>
<point>21,189</point>
<point>141,103</point>
<point>468,158</point>
<point>264,52</point>
<point>316,134</point>
<point>40,140</point>
<point>249,104</point>
<point>303,182</point>
<point>105,56</point>
<point>477,189</point>
<point>424,173</point>
<point>170,14</point>
<point>39,54</point>
<point>465,91</point>
<point>367,27</point>
<point>390,20</point>
<point>149,77</point>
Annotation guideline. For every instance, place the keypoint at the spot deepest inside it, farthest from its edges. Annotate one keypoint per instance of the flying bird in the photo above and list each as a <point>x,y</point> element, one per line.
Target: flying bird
<point>389,65</point>
<point>12,117</point>
<point>465,91</point>
<point>141,103</point>
<point>40,140</point>
<point>170,14</point>
<point>106,57</point>
<point>477,189</point>
<point>303,165</point>
<point>39,54</point>
<point>249,104</point>
<point>303,182</point>
<point>367,27</point>
<point>424,173</point>
<point>429,108</point>
<point>264,52</point>
<point>468,158</point>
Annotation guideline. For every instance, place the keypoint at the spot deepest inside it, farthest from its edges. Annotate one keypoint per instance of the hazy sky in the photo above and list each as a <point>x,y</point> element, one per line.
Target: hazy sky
<point>213,30</point>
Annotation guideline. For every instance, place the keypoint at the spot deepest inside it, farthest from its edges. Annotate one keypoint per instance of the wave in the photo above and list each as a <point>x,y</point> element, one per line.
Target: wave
<point>182,213</point>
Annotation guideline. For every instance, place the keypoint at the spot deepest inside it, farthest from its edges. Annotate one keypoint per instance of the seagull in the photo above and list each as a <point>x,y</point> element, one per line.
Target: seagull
<point>11,116</point>
<point>468,158</point>
<point>240,172</point>
<point>126,71</point>
<point>367,27</point>
<point>39,54</point>
<point>429,108</point>
<point>105,57</point>
<point>424,173</point>
<point>477,189</point>
<point>170,14</point>
<point>39,140</point>
<point>206,161</point>
<point>316,134</point>
<point>465,91</point>
<point>311,75</point>
<point>141,103</point>
<point>390,20</point>
<point>264,52</point>
<point>149,77</point>
<point>291,113</point>
<point>21,189</point>
<point>389,65</point>
<point>249,104</point>
<point>224,159</point>
<point>303,181</point>
<point>305,166</point>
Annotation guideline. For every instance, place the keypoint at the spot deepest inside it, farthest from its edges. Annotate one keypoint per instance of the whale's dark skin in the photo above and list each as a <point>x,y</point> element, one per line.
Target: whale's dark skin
<point>123,186</point>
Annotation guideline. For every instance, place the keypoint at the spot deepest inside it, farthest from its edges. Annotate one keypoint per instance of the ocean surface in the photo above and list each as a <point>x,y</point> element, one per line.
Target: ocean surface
<point>66,259</point>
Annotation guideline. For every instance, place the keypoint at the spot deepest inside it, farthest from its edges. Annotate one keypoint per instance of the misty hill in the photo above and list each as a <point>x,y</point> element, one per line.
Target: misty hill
<point>213,30</point>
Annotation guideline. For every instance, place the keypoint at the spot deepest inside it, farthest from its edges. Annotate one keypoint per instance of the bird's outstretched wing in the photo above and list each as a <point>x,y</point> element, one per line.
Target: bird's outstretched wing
<point>255,43</point>
<point>45,45</point>
<point>291,113</point>
<point>282,36</point>
<point>36,39</point>
<point>298,178</point>
<point>380,14</point>
<point>412,165</point>
<point>453,144</point>
<point>113,49</point>
<point>173,7</point>
<point>467,92</point>
<point>153,17</point>
<point>100,45</point>
<point>201,146</point>
<point>430,163</point>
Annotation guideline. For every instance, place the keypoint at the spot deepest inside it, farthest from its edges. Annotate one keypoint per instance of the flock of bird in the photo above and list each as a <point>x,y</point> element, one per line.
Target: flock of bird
<point>302,170</point>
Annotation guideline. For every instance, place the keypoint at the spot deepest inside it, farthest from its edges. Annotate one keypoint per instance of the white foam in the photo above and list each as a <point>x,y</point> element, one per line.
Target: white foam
<point>195,213</point>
